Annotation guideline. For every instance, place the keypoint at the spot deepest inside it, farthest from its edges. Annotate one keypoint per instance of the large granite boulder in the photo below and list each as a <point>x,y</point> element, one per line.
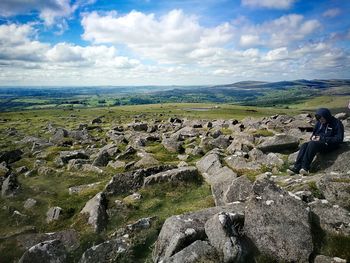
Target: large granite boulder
<point>336,188</point>
<point>130,182</point>
<point>241,142</point>
<point>239,190</point>
<point>65,156</point>
<point>223,234</point>
<point>182,174</point>
<point>173,144</point>
<point>279,143</point>
<point>108,251</point>
<point>332,218</point>
<point>278,223</point>
<point>217,175</point>
<point>96,208</point>
<point>197,252</point>
<point>180,231</point>
<point>45,252</point>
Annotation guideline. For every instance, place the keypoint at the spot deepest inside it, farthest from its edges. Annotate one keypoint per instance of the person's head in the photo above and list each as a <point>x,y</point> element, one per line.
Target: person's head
<point>323,115</point>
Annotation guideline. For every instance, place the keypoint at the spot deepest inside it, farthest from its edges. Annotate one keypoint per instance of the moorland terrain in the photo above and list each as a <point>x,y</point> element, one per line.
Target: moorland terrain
<point>91,178</point>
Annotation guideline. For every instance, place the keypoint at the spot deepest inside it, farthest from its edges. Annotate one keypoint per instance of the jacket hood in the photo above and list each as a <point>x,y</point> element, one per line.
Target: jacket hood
<point>325,113</point>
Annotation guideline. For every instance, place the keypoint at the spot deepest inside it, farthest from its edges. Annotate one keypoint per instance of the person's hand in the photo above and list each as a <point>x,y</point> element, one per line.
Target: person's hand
<point>315,138</point>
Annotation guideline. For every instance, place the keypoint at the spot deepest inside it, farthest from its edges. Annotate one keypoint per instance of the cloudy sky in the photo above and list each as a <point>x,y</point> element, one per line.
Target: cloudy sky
<point>172,42</point>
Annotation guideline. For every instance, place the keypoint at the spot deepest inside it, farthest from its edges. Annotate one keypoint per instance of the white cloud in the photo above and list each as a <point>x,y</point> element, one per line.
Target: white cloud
<point>277,54</point>
<point>274,4</point>
<point>249,40</point>
<point>173,37</point>
<point>332,12</point>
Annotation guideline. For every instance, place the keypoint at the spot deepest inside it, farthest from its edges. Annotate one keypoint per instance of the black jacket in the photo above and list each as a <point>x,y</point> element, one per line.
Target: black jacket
<point>331,133</point>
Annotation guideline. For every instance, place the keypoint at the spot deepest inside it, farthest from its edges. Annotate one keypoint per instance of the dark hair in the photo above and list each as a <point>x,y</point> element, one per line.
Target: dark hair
<point>318,117</point>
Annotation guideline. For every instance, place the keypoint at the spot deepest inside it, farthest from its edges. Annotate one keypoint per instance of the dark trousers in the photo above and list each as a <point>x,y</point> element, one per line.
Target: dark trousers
<point>307,153</point>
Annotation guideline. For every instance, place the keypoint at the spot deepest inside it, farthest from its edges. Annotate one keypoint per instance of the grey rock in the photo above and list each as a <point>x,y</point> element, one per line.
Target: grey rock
<point>138,126</point>
<point>221,142</point>
<point>59,136</point>
<point>116,164</point>
<point>65,156</point>
<point>76,164</point>
<point>147,160</point>
<point>10,186</point>
<point>132,181</point>
<point>239,190</point>
<point>91,168</point>
<point>69,238</point>
<point>129,151</point>
<point>182,174</point>
<point>101,159</point>
<point>278,223</point>
<point>239,163</point>
<point>279,143</point>
<point>11,156</point>
<point>108,251</point>
<point>45,252</point>
<point>97,120</point>
<point>241,143</point>
<point>223,234</point>
<point>53,214</point>
<point>80,188</point>
<point>197,252</point>
<point>292,158</point>
<point>180,231</point>
<point>341,116</point>
<point>325,259</point>
<point>336,188</point>
<point>96,210</point>
<point>44,171</point>
<point>332,218</point>
<point>172,144</point>
<point>29,203</point>
<point>21,169</point>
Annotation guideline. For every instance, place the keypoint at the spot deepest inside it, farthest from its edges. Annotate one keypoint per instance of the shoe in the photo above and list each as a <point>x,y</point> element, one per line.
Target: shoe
<point>292,171</point>
<point>303,171</point>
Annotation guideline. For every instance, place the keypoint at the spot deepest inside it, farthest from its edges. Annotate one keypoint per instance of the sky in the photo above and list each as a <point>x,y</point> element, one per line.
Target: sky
<point>171,42</point>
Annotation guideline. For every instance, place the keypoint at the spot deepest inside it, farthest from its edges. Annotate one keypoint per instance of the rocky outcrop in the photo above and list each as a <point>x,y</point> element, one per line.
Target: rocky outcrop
<point>95,208</point>
<point>65,156</point>
<point>239,190</point>
<point>10,186</point>
<point>278,223</point>
<point>182,174</point>
<point>180,231</point>
<point>132,181</point>
<point>279,143</point>
<point>45,252</point>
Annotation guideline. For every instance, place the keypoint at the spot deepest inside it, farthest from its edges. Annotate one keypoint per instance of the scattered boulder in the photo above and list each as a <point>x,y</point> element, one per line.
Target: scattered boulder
<point>96,210</point>
<point>29,203</point>
<point>336,188</point>
<point>332,218</point>
<point>132,181</point>
<point>54,214</point>
<point>65,156</point>
<point>138,126</point>
<point>101,159</point>
<point>325,259</point>
<point>11,156</point>
<point>172,144</point>
<point>239,190</point>
<point>180,231</point>
<point>198,251</point>
<point>341,116</point>
<point>80,188</point>
<point>182,174</point>
<point>147,160</point>
<point>279,143</point>
<point>10,186</point>
<point>76,164</point>
<point>108,251</point>
<point>116,164</point>
<point>97,120</point>
<point>278,223</point>
<point>45,252</point>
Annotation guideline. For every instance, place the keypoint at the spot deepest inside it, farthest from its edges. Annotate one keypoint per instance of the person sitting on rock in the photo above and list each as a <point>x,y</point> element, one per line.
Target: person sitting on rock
<point>328,133</point>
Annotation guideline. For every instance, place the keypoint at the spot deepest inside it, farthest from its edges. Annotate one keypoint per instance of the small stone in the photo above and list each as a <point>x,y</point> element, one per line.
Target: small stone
<point>29,203</point>
<point>53,214</point>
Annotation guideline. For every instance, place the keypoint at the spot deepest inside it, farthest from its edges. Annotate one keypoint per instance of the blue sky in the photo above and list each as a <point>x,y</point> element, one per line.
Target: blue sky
<point>179,42</point>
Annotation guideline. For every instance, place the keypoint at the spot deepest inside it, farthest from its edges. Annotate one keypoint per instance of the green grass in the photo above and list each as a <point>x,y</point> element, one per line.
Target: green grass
<point>332,102</point>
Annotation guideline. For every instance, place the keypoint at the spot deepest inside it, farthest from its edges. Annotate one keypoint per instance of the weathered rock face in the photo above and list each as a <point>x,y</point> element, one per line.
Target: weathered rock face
<point>96,210</point>
<point>239,190</point>
<point>138,126</point>
<point>279,143</point>
<point>10,186</point>
<point>105,252</point>
<point>198,251</point>
<point>101,159</point>
<point>180,231</point>
<point>333,219</point>
<point>131,181</point>
<point>336,189</point>
<point>224,236</point>
<point>325,259</point>
<point>10,156</point>
<point>172,144</point>
<point>241,143</point>
<point>147,160</point>
<point>45,252</point>
<point>182,174</point>
<point>218,176</point>
<point>69,238</point>
<point>59,136</point>
<point>278,223</point>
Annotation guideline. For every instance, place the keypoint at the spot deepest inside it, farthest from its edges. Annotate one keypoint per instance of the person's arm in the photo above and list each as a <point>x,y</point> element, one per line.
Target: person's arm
<point>338,135</point>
